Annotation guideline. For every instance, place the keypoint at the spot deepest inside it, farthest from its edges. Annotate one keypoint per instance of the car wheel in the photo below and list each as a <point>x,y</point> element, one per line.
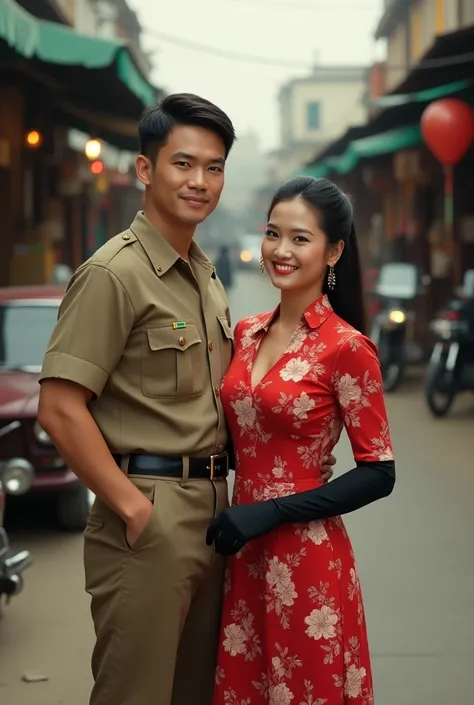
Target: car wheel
<point>73,509</point>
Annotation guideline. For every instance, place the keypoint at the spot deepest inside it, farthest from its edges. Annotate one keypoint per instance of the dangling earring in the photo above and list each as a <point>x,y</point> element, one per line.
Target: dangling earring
<point>262,265</point>
<point>331,278</point>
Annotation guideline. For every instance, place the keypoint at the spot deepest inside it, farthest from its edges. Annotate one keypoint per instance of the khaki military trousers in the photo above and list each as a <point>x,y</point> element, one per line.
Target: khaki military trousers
<point>157,607</point>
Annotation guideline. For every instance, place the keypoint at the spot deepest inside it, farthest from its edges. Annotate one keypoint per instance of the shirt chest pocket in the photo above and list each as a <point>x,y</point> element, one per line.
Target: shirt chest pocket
<point>173,362</point>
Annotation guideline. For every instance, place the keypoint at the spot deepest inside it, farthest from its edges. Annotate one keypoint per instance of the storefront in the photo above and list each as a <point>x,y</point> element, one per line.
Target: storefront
<point>53,79</point>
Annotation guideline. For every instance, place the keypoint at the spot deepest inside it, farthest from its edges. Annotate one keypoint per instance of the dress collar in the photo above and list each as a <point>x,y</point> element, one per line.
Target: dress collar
<point>314,316</point>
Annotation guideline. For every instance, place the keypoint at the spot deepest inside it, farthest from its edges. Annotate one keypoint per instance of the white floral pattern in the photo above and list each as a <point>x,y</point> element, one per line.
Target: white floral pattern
<point>293,625</point>
<point>322,623</point>
<point>314,531</point>
<point>295,369</point>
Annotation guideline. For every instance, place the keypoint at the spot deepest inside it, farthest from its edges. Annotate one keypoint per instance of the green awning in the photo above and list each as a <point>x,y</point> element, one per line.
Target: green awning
<point>317,171</point>
<point>57,44</point>
<point>424,96</point>
<point>373,146</point>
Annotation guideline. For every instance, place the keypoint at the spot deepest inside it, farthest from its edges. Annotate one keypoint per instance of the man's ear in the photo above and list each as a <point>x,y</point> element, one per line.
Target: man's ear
<point>144,169</point>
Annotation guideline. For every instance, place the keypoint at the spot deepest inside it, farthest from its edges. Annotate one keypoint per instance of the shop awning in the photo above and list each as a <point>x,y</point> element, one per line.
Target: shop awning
<point>376,145</point>
<point>394,129</point>
<point>450,58</point>
<point>424,96</point>
<point>93,72</point>
<point>446,69</point>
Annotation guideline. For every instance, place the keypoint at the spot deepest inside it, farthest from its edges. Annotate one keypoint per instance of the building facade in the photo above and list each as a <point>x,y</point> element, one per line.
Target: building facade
<point>315,109</point>
<point>59,204</point>
<point>410,27</point>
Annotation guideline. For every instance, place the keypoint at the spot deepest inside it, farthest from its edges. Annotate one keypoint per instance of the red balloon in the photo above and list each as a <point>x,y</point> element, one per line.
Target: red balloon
<point>447,127</point>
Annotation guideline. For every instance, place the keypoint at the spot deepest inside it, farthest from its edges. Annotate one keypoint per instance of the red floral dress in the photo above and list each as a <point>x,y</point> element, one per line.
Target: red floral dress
<point>293,626</point>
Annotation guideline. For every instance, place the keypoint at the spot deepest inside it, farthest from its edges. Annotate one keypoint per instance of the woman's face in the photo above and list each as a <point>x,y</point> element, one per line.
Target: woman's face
<point>295,250</point>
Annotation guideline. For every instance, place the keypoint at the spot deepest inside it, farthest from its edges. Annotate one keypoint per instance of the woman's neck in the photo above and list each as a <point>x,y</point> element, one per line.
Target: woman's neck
<point>293,304</point>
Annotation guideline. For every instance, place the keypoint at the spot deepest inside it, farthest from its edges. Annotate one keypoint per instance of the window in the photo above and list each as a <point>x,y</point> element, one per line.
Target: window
<point>313,116</point>
<point>24,333</point>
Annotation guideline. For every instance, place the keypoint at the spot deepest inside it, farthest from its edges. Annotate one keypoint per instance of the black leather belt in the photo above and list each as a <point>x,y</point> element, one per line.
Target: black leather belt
<point>214,467</point>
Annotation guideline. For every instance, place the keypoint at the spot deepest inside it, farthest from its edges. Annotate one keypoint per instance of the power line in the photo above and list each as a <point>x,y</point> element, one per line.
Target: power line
<point>224,53</point>
<point>278,62</point>
<point>300,6</point>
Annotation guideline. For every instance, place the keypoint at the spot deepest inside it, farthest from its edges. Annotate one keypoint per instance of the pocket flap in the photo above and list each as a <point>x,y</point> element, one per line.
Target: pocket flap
<point>225,327</point>
<point>165,337</point>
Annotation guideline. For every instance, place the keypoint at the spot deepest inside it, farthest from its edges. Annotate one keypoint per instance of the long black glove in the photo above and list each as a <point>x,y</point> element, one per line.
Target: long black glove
<point>357,488</point>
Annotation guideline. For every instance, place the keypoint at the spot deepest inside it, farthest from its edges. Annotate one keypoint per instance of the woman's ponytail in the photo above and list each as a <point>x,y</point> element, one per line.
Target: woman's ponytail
<point>347,297</point>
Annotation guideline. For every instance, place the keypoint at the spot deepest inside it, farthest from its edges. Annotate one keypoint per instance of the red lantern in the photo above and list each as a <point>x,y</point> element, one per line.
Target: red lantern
<point>448,129</point>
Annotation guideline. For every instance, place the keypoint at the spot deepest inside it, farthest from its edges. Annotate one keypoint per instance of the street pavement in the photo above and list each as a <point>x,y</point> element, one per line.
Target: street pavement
<point>415,554</point>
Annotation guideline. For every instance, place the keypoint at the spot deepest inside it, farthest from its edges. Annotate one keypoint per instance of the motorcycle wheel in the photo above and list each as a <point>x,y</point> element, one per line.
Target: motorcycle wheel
<point>439,400</point>
<point>392,374</point>
<point>392,370</point>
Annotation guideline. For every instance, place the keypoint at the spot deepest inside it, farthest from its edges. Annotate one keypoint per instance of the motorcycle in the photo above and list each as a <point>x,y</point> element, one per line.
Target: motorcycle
<point>16,477</point>
<point>393,327</point>
<point>451,366</point>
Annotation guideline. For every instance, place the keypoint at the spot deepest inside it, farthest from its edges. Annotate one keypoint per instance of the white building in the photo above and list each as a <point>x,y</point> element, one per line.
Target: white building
<point>246,171</point>
<point>315,110</point>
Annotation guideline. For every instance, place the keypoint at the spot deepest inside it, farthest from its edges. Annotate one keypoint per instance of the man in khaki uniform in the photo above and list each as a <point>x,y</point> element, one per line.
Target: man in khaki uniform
<point>131,397</point>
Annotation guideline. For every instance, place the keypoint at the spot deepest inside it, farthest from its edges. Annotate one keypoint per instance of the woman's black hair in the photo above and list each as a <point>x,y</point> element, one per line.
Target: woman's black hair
<point>158,121</point>
<point>335,214</point>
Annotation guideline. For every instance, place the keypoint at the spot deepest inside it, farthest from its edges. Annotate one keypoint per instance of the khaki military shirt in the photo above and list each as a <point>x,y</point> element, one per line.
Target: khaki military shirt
<point>149,335</point>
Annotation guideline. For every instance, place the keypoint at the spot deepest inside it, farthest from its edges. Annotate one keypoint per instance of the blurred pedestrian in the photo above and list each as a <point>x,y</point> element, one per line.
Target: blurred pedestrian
<point>131,397</point>
<point>224,267</point>
<point>293,626</point>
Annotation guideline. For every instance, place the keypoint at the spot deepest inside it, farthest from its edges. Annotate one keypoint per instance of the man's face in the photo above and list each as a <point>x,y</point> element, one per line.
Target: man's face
<point>187,179</point>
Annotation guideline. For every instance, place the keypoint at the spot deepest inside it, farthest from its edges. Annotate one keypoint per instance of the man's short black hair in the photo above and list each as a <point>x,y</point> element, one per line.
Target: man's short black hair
<point>158,121</point>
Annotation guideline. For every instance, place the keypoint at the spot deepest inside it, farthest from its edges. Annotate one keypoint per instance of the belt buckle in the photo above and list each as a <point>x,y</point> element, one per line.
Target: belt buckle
<point>212,467</point>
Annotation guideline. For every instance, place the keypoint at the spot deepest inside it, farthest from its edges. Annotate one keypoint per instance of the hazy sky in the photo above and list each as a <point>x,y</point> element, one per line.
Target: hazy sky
<point>339,31</point>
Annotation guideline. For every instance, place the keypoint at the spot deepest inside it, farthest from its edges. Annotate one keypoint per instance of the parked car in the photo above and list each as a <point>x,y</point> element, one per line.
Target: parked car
<point>27,318</point>
<point>16,476</point>
<point>250,251</point>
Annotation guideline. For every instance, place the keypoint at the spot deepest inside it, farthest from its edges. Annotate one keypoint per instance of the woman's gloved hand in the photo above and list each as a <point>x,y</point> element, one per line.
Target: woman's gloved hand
<point>236,525</point>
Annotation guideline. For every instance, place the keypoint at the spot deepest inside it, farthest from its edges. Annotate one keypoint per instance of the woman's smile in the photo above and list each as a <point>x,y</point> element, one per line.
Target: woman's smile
<point>284,269</point>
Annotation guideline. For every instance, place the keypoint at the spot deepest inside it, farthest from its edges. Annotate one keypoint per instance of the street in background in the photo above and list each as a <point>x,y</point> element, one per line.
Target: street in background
<point>415,554</point>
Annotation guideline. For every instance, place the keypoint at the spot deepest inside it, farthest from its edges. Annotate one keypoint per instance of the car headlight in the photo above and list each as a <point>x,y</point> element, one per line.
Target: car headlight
<point>397,316</point>
<point>41,435</point>
<point>246,256</point>
<point>16,475</point>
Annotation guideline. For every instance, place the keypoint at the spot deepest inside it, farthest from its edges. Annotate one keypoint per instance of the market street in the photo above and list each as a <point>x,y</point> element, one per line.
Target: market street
<point>415,554</point>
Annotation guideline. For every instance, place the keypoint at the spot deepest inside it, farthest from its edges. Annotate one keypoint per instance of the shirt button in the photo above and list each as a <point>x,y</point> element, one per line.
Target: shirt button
<point>211,346</point>
<point>182,341</point>
<point>160,269</point>
<point>125,237</point>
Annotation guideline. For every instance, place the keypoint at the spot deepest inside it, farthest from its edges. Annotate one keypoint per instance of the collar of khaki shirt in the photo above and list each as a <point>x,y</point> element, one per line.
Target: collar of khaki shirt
<point>159,250</point>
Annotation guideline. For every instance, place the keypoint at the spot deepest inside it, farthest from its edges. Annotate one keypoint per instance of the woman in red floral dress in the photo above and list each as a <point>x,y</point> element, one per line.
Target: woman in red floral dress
<point>293,626</point>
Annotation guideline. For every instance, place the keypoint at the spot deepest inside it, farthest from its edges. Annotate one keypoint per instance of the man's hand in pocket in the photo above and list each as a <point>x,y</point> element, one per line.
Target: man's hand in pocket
<point>137,523</point>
